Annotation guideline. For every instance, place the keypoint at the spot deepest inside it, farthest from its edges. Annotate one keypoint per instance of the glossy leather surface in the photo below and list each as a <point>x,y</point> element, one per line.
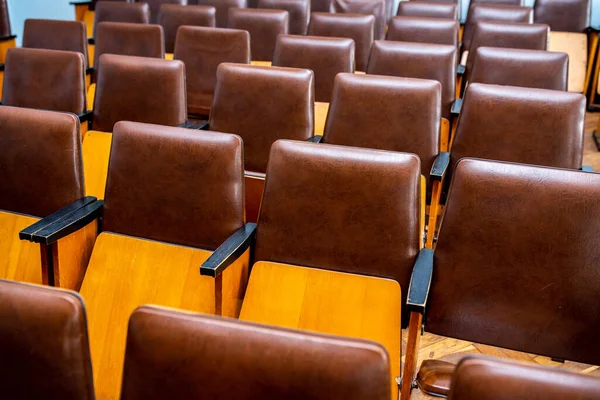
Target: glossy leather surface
<point>222,7</point>
<point>171,17</point>
<point>563,15</point>
<point>377,8</point>
<point>434,377</point>
<point>118,11</point>
<point>496,13</point>
<point>427,9</point>
<point>263,25</point>
<point>56,35</point>
<point>299,13</point>
<point>423,30</point>
<point>155,6</point>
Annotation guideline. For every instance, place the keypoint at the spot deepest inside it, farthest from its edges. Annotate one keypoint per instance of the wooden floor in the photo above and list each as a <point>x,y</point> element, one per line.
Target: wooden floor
<point>452,350</point>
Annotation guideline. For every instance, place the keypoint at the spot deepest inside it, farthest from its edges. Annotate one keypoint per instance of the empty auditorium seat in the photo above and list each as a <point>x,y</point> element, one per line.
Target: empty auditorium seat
<point>428,9</point>
<point>172,16</point>
<point>41,183</point>
<point>299,13</point>
<point>263,25</point>
<point>173,197</point>
<point>418,60</point>
<point>222,7</point>
<point>486,378</point>
<point>121,11</point>
<point>202,50</point>
<point>155,6</point>
<point>457,3</point>
<point>424,30</point>
<point>377,8</point>
<point>210,357</point>
<point>44,344</point>
<point>360,28</point>
<point>514,266</point>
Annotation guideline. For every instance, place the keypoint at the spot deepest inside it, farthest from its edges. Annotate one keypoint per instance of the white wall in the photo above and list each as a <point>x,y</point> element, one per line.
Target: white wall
<point>20,10</point>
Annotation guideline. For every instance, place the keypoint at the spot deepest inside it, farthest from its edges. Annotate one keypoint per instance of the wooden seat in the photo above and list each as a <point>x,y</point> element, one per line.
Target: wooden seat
<point>423,30</point>
<point>160,223</point>
<point>44,343</point>
<point>220,358</point>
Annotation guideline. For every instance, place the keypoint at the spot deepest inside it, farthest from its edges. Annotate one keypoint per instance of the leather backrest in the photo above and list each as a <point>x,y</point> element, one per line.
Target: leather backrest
<point>141,40</point>
<point>424,30</point>
<point>519,3</point>
<point>56,35</point>
<point>5,29</point>
<point>263,104</point>
<point>428,9</point>
<point>172,16</point>
<point>254,361</point>
<point>514,265</point>
<point>377,8</point>
<point>417,60</point>
<point>155,6</point>
<point>515,67</point>
<point>360,28</point>
<point>202,50</point>
<point>457,3</point>
<point>162,185</point>
<point>118,11</point>
<point>342,209</point>
<point>299,13</point>
<point>42,151</point>
<point>496,13</point>
<point>45,79</point>
<point>325,56</point>
<point>44,344</point>
<point>222,7</point>
<point>139,89</point>
<point>407,117</point>
<point>486,378</point>
<point>92,6</point>
<point>563,15</point>
<point>263,25</point>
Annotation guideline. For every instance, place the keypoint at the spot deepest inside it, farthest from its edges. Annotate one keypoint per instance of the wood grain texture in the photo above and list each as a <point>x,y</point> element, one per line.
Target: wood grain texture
<point>91,93</point>
<point>591,155</point>
<point>71,256</point>
<point>125,273</point>
<point>254,190</point>
<point>327,302</point>
<point>576,46</point>
<point>96,153</point>
<point>321,110</point>
<point>20,260</point>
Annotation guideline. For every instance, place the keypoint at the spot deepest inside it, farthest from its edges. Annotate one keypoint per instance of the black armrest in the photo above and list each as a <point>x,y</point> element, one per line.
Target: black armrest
<point>229,251</point>
<point>456,107</point>
<point>440,166</point>
<point>194,125</point>
<point>420,281</point>
<point>85,116</point>
<point>1,67</point>
<point>315,139</point>
<point>80,3</point>
<point>89,70</point>
<point>91,41</point>
<point>29,232</point>
<point>460,70</point>
<point>587,168</point>
<point>591,29</point>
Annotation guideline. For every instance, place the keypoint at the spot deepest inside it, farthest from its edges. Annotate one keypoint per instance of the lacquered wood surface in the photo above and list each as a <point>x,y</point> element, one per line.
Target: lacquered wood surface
<point>96,153</point>
<point>20,260</point>
<point>576,46</point>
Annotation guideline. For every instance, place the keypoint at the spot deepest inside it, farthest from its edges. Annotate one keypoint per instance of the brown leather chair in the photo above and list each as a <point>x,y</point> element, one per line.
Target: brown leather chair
<point>328,252</point>
<point>172,16</point>
<point>209,357</point>
<point>418,60</point>
<point>486,378</point>
<point>202,50</point>
<point>160,223</point>
<point>44,344</point>
<point>56,35</point>
<point>424,30</point>
<point>360,28</point>
<point>262,104</point>
<point>553,13</point>
<point>222,7</point>
<point>427,9</point>
<point>325,56</point>
<point>377,8</point>
<point>457,3</point>
<point>299,13</point>
<point>514,266</point>
<point>155,6</point>
<point>263,25</point>
<point>121,11</point>
<point>323,6</point>
<point>41,183</point>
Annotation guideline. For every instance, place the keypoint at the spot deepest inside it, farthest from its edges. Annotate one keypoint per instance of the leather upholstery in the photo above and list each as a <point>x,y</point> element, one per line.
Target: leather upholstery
<point>44,344</point>
<point>92,6</point>
<point>457,3</point>
<point>141,40</point>
<point>519,3</point>
<point>424,30</point>
<point>343,209</point>
<point>44,79</point>
<point>202,50</point>
<point>326,57</point>
<point>496,13</point>
<point>323,6</point>
<point>217,358</point>
<point>263,25</point>
<point>117,11</point>
<point>515,265</point>
<point>171,17</point>
<point>418,60</point>
<point>563,15</point>
<point>428,9</point>
<point>42,149</point>
<point>299,13</point>
<point>407,117</point>
<point>500,379</point>
<point>222,7</point>
<point>263,104</point>
<point>5,29</point>
<point>162,183</point>
<point>377,8</point>
<point>515,67</point>
<point>139,89</point>
<point>56,35</point>
<point>360,28</point>
<point>155,6</point>
<point>434,377</point>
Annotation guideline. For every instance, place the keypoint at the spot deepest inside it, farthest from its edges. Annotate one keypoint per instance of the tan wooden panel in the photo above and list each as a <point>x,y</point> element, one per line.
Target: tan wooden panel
<point>91,93</point>
<point>321,109</point>
<point>262,63</point>
<point>575,45</point>
<point>91,54</point>
<point>20,260</point>
<point>328,302</point>
<point>96,152</point>
<point>71,256</point>
<point>168,56</point>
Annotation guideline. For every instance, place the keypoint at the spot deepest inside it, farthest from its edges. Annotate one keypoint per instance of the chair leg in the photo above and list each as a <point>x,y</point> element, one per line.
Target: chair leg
<point>590,64</point>
<point>412,354</point>
<point>596,139</point>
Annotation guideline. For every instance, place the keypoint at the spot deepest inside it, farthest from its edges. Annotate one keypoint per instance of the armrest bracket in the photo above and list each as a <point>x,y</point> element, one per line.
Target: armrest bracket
<point>202,125</point>
<point>460,70</point>
<point>420,281</point>
<point>229,251</point>
<point>315,139</point>
<point>440,166</point>
<point>456,107</point>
